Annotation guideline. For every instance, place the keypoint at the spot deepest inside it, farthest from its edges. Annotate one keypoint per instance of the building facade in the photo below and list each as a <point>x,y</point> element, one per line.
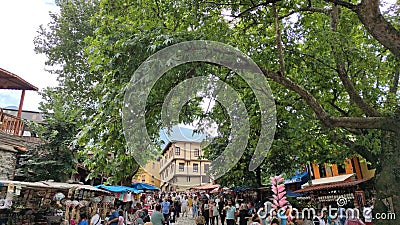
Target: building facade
<point>150,174</point>
<point>182,166</point>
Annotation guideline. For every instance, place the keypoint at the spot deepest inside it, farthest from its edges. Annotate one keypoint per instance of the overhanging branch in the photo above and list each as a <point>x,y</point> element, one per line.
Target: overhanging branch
<point>382,123</point>
<point>369,13</point>
<point>307,9</point>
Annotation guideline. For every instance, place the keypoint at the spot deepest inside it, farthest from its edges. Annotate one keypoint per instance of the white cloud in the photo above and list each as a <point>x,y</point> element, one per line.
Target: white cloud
<point>20,19</point>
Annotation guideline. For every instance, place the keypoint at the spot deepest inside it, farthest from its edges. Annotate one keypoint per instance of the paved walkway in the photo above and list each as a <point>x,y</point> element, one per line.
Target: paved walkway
<point>185,221</point>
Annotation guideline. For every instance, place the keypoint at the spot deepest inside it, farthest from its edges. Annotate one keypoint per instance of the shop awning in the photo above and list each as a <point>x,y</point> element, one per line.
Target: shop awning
<point>328,180</point>
<point>53,185</point>
<point>9,80</point>
<point>207,187</point>
<point>333,185</point>
<point>144,186</point>
<point>239,189</point>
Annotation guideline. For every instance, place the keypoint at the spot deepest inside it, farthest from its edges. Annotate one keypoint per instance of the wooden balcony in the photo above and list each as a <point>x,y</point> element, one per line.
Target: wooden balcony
<point>10,124</point>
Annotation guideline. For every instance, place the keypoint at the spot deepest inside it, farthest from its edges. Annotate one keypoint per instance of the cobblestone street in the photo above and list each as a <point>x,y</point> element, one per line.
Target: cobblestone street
<point>185,221</point>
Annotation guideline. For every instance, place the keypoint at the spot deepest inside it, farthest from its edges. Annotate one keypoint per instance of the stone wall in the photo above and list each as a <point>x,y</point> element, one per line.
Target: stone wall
<point>8,160</point>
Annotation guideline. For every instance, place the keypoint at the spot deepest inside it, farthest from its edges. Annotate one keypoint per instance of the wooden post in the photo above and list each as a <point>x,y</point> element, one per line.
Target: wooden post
<point>21,103</point>
<point>17,126</point>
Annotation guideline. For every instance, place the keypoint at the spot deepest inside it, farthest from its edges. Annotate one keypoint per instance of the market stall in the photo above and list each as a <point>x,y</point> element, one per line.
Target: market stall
<point>346,194</point>
<point>47,202</point>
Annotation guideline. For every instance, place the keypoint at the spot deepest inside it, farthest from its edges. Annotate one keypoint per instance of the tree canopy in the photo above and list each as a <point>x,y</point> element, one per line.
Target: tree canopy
<point>333,67</point>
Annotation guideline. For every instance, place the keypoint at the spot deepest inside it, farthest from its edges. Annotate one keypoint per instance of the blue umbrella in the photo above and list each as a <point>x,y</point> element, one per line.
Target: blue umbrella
<point>143,186</point>
<point>119,189</point>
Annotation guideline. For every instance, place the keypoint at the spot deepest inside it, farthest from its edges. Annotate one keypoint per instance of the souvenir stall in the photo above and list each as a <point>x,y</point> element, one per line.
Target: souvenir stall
<point>246,194</point>
<point>123,198</point>
<point>46,202</point>
<point>148,190</point>
<point>345,194</point>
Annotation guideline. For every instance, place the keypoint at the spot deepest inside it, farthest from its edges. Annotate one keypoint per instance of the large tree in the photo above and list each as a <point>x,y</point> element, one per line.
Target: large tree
<point>334,66</point>
<point>342,59</point>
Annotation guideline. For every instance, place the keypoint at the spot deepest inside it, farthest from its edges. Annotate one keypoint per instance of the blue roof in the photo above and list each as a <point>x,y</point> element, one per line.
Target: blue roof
<point>289,193</point>
<point>301,178</point>
<point>119,189</point>
<point>144,186</point>
<point>180,134</point>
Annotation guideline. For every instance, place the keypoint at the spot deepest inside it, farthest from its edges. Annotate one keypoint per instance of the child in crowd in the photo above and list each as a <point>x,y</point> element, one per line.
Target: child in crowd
<point>200,220</point>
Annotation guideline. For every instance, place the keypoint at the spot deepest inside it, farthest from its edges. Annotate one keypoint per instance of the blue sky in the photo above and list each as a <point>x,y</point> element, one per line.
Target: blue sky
<point>20,20</point>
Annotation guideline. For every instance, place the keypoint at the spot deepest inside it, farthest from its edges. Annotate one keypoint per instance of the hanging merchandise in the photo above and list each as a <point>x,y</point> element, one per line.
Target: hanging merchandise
<point>128,197</point>
<point>70,193</point>
<point>10,188</point>
<point>5,203</point>
<point>68,205</point>
<point>74,204</point>
<point>59,196</point>
<point>18,189</point>
<point>95,202</point>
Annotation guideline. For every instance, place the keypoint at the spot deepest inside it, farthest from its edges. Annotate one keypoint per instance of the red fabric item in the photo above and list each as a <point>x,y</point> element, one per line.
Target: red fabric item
<point>353,222</point>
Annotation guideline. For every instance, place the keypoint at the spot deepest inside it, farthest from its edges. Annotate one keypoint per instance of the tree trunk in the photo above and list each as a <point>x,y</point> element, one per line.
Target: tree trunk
<point>127,181</point>
<point>387,178</point>
<point>258,177</point>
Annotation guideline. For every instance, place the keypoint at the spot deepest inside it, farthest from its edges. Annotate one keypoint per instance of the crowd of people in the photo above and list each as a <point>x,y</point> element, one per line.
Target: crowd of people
<point>205,209</point>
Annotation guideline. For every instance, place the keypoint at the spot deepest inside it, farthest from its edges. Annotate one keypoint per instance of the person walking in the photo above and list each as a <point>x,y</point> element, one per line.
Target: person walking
<point>221,210</point>
<point>157,218</point>
<point>95,220</point>
<point>205,211</point>
<point>185,206</point>
<point>210,212</point>
<point>230,213</point>
<point>177,207</point>
<point>190,203</point>
<point>215,214</point>
<point>195,207</point>
<point>165,209</point>
<point>243,214</point>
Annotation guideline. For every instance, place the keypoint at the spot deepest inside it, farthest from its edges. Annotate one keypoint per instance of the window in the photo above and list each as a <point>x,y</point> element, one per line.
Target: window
<point>206,167</point>
<point>195,167</point>
<point>196,152</point>
<point>188,179</point>
<point>152,179</point>
<point>143,178</point>
<point>177,151</point>
<point>205,179</point>
<point>181,167</point>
